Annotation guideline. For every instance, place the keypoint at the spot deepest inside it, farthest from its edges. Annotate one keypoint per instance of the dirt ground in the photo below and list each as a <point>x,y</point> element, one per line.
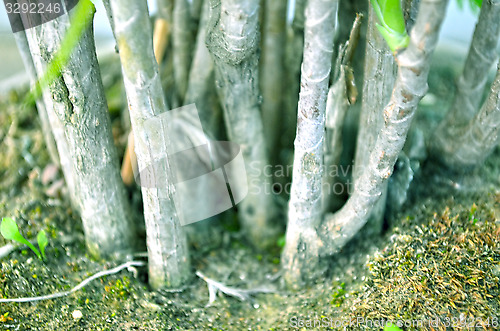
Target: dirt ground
<point>438,258</point>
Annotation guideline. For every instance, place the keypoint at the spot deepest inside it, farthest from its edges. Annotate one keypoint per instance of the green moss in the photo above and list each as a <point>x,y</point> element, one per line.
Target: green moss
<point>442,265</point>
<point>338,294</point>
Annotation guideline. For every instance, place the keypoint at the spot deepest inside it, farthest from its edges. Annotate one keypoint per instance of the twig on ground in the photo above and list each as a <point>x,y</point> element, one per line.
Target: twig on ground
<point>100,274</point>
<point>242,294</point>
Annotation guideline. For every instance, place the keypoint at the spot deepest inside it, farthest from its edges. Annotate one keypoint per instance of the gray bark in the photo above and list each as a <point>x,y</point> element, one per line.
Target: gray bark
<point>201,89</point>
<point>233,40</point>
<point>470,85</point>
<point>201,92</point>
<point>337,104</point>
<point>167,247</point>
<point>300,257</point>
<point>409,88</point>
<point>182,38</point>
<point>293,59</point>
<point>479,137</point>
<point>55,125</point>
<point>272,70</point>
<point>379,76</point>
<point>80,105</point>
<point>23,47</point>
<point>336,107</point>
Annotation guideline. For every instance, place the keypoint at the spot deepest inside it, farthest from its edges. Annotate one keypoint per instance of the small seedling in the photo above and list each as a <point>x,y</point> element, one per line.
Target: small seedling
<point>391,327</point>
<point>10,231</point>
<point>392,23</point>
<point>42,242</point>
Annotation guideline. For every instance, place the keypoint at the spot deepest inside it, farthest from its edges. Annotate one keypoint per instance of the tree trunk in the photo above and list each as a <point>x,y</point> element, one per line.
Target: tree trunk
<point>379,76</point>
<point>301,253</point>
<point>479,137</point>
<point>409,88</point>
<point>167,247</point>
<point>182,38</point>
<point>201,88</point>
<point>23,47</point>
<point>80,105</point>
<point>470,85</point>
<point>55,125</point>
<point>337,104</point>
<point>233,40</point>
<point>272,71</point>
<point>293,59</point>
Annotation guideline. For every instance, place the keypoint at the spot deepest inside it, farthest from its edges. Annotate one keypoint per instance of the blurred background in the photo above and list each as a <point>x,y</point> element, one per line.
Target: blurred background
<point>455,37</point>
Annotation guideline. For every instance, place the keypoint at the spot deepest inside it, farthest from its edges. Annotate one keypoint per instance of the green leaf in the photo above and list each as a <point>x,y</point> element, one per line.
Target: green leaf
<point>42,242</point>
<point>391,327</point>
<point>10,231</point>
<point>281,241</point>
<point>392,23</point>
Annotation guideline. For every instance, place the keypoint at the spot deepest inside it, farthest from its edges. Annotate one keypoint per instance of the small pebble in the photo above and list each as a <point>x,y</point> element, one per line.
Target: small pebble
<point>77,314</point>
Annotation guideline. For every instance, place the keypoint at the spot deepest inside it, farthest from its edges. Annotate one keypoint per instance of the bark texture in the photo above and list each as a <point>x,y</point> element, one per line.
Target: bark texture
<point>24,50</point>
<point>55,124</point>
<point>337,104</point>
<point>470,85</point>
<point>409,88</point>
<point>379,76</point>
<point>272,70</point>
<point>293,59</point>
<point>233,40</point>
<point>475,142</point>
<point>301,253</point>
<point>167,247</point>
<point>336,107</point>
<point>80,105</point>
<point>201,88</point>
<point>182,38</point>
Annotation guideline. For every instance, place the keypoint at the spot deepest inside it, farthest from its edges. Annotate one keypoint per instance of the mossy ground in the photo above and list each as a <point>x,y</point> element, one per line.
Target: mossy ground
<point>440,255</point>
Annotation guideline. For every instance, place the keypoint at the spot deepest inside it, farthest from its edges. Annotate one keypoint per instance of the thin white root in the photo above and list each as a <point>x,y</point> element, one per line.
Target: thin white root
<point>100,274</point>
<point>242,294</point>
<point>6,250</point>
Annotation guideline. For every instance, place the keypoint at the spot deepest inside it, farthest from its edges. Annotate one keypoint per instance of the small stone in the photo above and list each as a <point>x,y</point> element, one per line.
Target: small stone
<point>77,314</point>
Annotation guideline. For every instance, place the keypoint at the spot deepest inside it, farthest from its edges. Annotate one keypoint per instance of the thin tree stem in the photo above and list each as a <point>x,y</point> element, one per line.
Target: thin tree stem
<point>379,76</point>
<point>182,38</point>
<point>409,88</point>
<point>293,60</point>
<point>479,137</point>
<point>167,246</point>
<point>272,70</point>
<point>23,47</point>
<point>233,40</point>
<point>201,88</point>
<point>470,85</point>
<point>80,105</point>
<point>301,252</point>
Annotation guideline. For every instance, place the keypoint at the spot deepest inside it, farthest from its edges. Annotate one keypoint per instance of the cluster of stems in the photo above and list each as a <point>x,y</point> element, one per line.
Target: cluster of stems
<point>217,59</point>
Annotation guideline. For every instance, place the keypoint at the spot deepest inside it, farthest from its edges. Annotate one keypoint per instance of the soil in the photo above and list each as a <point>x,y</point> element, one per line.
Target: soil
<point>439,257</point>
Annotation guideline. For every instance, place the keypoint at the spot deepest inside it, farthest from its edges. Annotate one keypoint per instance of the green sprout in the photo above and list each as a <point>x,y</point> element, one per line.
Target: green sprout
<point>84,13</point>
<point>392,23</point>
<point>391,327</point>
<point>10,231</point>
<point>41,238</point>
